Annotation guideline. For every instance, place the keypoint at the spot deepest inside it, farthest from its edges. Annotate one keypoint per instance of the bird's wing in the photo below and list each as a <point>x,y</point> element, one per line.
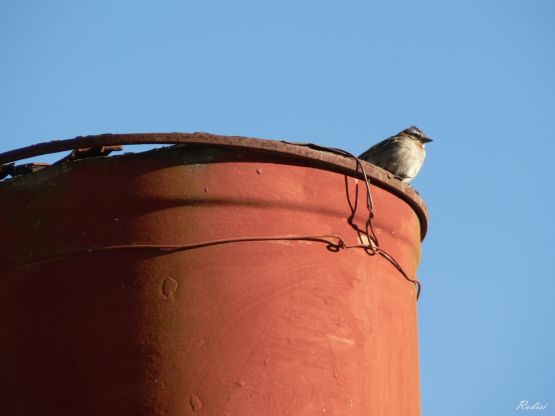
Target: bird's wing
<point>380,147</point>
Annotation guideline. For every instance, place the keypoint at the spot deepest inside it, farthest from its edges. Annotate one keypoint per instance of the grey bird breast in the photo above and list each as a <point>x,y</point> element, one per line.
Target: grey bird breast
<point>402,157</point>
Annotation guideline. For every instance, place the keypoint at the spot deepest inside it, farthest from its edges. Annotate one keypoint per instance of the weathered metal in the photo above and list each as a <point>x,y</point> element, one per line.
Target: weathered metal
<point>86,152</point>
<point>323,159</point>
<point>182,280</point>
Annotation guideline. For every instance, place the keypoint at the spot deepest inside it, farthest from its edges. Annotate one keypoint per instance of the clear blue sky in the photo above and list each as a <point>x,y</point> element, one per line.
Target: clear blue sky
<point>477,76</point>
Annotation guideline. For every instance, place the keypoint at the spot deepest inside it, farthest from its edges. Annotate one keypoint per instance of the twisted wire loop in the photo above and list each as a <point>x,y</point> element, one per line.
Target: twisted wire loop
<point>373,246</point>
<point>333,242</point>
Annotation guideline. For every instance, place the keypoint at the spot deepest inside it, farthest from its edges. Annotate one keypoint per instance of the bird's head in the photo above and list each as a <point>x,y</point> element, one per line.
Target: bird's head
<point>415,133</point>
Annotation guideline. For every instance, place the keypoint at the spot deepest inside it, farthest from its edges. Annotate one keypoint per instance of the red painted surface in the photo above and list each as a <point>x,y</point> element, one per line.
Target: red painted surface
<point>246,328</point>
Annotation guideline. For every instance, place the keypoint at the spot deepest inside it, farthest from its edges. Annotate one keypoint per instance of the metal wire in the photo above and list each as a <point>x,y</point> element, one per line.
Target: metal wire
<point>333,242</point>
<point>374,246</point>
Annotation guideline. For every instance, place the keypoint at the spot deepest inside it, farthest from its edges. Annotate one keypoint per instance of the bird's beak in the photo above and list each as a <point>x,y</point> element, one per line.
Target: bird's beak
<point>426,140</point>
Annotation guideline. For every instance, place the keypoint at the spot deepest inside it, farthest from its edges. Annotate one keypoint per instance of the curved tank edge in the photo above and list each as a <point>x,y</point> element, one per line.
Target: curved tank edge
<point>315,154</point>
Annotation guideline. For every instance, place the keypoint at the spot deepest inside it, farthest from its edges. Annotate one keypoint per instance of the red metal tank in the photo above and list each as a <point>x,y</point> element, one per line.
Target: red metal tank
<point>214,277</point>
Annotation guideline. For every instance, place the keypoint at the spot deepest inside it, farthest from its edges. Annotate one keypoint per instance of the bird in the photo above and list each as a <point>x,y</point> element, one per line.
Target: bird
<point>402,154</point>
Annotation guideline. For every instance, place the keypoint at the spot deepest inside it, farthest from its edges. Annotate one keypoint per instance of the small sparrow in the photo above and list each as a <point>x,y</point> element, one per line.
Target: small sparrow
<point>402,154</point>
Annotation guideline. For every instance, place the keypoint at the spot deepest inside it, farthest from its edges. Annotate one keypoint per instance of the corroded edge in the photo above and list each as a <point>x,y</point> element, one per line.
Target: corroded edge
<point>325,159</point>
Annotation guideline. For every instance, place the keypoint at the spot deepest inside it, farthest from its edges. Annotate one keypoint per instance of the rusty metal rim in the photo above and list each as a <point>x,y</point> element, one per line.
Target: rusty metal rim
<point>327,159</point>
